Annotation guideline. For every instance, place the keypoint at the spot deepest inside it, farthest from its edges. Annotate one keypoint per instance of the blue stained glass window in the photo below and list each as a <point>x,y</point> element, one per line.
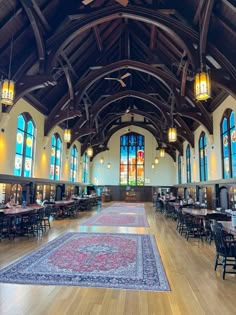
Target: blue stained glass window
<point>179,169</point>
<point>24,146</point>
<point>55,160</point>
<point>73,163</point>
<point>228,144</point>
<point>85,166</point>
<point>188,164</point>
<point>132,159</point>
<point>203,161</point>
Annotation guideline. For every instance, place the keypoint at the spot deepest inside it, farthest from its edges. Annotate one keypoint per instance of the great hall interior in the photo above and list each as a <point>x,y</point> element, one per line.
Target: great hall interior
<point>118,157</point>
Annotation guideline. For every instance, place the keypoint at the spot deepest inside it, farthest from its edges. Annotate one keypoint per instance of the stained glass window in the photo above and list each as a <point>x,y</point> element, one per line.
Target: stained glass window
<point>24,146</point>
<point>73,163</point>
<point>203,161</point>
<point>85,168</point>
<point>132,159</point>
<point>179,169</point>
<point>56,152</point>
<point>188,164</point>
<point>228,143</point>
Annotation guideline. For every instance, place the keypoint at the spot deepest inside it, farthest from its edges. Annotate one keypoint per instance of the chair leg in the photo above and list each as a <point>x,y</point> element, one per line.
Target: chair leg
<point>216,262</point>
<point>224,267</point>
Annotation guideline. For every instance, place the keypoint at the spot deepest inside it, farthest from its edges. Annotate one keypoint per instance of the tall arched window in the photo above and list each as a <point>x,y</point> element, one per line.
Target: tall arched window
<point>56,152</point>
<point>132,159</point>
<point>203,162</point>
<point>188,164</point>
<point>179,169</point>
<point>228,144</point>
<point>85,168</point>
<point>73,163</point>
<point>24,146</point>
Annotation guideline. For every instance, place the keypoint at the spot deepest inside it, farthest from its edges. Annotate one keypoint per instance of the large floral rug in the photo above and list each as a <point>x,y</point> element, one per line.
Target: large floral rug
<point>116,219</point>
<point>122,261</point>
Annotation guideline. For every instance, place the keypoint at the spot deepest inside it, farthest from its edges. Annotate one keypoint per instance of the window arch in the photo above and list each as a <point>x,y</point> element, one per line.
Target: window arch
<point>25,137</point>
<point>85,168</point>
<point>73,163</point>
<point>188,164</point>
<point>228,144</point>
<point>203,161</point>
<point>132,159</point>
<point>56,151</point>
<point>179,170</point>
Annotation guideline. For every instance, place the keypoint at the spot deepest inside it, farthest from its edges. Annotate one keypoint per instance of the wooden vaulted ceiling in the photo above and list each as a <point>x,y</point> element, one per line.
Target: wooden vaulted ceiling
<point>64,50</point>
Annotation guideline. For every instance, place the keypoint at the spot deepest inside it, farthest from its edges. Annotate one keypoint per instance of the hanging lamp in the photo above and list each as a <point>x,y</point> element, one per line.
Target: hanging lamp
<point>8,85</point>
<point>172,131</point>
<point>102,160</point>
<point>156,160</point>
<point>162,152</point>
<point>90,151</point>
<point>109,165</point>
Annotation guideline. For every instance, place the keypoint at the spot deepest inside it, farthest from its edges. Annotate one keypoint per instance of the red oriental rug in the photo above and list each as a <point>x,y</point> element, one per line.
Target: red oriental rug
<point>116,219</point>
<point>122,261</point>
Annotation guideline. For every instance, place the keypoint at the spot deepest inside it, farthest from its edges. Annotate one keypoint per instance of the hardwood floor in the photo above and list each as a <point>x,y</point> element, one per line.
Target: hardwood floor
<point>195,287</point>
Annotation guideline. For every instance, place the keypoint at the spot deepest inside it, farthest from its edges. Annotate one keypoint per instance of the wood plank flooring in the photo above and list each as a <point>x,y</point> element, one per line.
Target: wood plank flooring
<point>195,287</point>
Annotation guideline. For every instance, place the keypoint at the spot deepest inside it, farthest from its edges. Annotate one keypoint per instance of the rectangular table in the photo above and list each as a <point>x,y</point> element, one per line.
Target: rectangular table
<point>228,227</point>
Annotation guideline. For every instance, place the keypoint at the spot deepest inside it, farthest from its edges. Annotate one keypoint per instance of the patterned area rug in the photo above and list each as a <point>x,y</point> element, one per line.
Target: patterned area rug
<point>128,204</point>
<point>122,261</point>
<point>121,209</point>
<point>116,219</point>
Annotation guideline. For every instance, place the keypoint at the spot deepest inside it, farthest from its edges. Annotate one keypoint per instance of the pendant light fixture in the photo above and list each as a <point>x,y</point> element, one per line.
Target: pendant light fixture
<point>109,165</point>
<point>102,160</point>
<point>90,148</point>
<point>202,82</point>
<point>8,85</point>
<point>67,131</point>
<point>156,160</point>
<point>153,165</point>
<point>162,152</point>
<point>172,132</point>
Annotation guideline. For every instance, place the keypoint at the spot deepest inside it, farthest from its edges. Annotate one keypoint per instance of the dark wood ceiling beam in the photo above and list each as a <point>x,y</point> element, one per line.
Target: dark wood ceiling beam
<point>126,43</point>
<point>65,115</point>
<point>198,11</point>
<point>177,30</point>
<point>37,33</point>
<point>95,75</point>
<point>41,16</point>
<point>98,38</point>
<point>184,78</point>
<point>153,35</point>
<point>205,26</point>
<point>64,56</point>
<point>31,83</point>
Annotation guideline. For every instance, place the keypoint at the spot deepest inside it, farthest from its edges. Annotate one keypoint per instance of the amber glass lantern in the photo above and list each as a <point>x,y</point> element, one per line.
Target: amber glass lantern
<point>108,165</point>
<point>89,151</point>
<point>67,135</point>
<point>8,92</point>
<point>153,165</point>
<point>172,134</point>
<point>156,160</point>
<point>102,160</point>
<point>202,86</point>
<point>162,152</point>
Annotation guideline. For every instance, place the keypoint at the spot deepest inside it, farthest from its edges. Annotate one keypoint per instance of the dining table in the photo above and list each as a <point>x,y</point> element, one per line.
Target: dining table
<point>228,227</point>
<point>199,212</point>
<point>19,210</point>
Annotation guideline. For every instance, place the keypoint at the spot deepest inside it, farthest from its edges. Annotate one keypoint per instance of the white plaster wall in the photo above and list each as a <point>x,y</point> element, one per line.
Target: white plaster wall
<point>162,174</point>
